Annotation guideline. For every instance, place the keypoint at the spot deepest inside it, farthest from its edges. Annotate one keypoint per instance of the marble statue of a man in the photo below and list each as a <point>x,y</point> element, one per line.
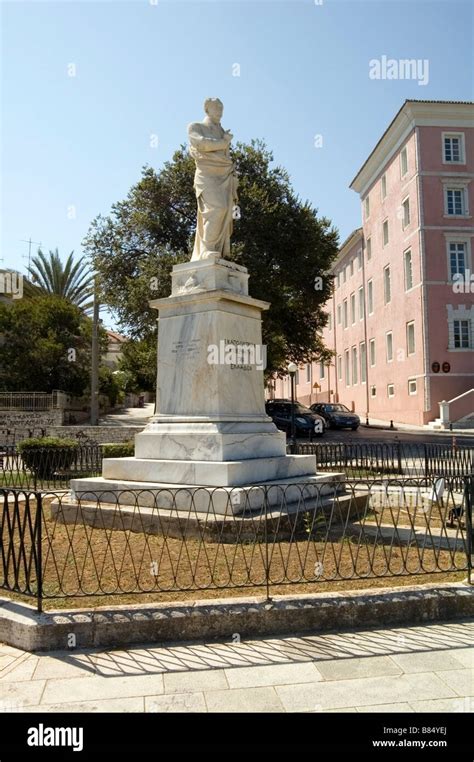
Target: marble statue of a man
<point>214,182</point>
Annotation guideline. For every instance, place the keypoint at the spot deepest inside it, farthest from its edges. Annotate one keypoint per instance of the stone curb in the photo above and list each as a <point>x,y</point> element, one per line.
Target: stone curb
<point>23,627</point>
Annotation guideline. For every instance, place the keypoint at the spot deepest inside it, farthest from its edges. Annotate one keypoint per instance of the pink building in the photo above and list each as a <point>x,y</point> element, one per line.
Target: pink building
<point>401,321</point>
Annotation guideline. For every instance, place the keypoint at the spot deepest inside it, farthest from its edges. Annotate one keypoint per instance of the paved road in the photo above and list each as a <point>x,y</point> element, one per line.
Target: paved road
<point>379,435</point>
<point>424,668</point>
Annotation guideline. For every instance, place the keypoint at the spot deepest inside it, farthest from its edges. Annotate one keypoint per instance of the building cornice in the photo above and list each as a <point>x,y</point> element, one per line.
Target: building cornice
<point>412,114</point>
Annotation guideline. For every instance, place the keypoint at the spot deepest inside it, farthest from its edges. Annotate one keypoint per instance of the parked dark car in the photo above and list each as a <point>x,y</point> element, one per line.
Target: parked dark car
<point>336,415</point>
<point>307,423</point>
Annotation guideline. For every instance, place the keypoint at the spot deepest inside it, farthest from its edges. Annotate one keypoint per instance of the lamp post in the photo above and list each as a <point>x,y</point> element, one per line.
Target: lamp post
<point>292,371</point>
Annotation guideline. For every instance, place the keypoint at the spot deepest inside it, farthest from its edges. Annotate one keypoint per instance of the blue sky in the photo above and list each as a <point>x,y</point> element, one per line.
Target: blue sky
<point>72,145</point>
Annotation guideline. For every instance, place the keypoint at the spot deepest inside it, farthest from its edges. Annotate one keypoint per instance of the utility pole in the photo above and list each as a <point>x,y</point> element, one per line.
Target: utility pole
<point>95,359</point>
<point>29,242</point>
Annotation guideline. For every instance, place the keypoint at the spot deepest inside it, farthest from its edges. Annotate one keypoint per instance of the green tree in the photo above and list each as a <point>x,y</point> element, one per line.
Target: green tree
<point>138,364</point>
<point>279,238</point>
<point>72,280</point>
<point>45,345</point>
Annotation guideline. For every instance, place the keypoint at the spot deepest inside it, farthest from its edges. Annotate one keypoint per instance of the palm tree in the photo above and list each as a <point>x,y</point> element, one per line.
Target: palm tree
<point>72,280</point>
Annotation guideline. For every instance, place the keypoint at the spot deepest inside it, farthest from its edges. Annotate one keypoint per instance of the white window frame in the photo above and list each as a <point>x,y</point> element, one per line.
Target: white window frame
<point>383,186</point>
<point>329,323</point>
<point>462,321</point>
<point>462,145</point>
<point>322,371</point>
<point>406,217</point>
<point>410,324</point>
<point>410,382</point>
<point>369,248</point>
<point>339,314</point>
<point>457,186</point>
<point>404,161</point>
<point>370,296</point>
<point>406,253</point>
<point>373,391</point>
<point>372,353</point>
<point>353,308</point>
<point>387,334</point>
<point>359,259</point>
<point>387,291</point>
<point>361,303</point>
<point>339,367</point>
<point>385,227</point>
<point>354,366</point>
<point>458,238</point>
<point>460,312</point>
<point>367,207</point>
<point>392,387</point>
<point>351,267</point>
<point>345,314</point>
<point>308,373</point>
<point>362,363</point>
<point>347,367</point>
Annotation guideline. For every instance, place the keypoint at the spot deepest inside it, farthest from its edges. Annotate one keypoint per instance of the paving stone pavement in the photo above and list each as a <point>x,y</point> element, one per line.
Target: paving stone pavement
<point>423,668</point>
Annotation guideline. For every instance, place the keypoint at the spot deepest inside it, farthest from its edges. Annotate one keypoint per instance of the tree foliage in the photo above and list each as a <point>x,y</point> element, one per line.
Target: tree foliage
<point>72,280</point>
<point>279,238</point>
<point>45,345</point>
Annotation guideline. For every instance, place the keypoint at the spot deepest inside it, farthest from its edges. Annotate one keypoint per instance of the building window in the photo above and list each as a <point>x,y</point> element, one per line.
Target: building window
<point>385,232</point>
<point>351,271</point>
<point>339,367</point>
<point>455,203</point>
<point>343,274</point>
<point>321,370</point>
<point>367,207</point>
<point>354,365</point>
<point>372,352</point>
<point>359,259</point>
<point>308,373</point>
<point>411,338</point>
<point>363,359</point>
<point>457,258</point>
<point>461,334</point>
<point>387,290</point>
<point>347,368</point>
<point>344,313</point>
<point>329,322</point>
<point>369,249</point>
<point>297,377</point>
<point>412,386</point>
<point>353,308</point>
<point>370,297</point>
<point>361,303</point>
<point>383,186</point>
<point>403,162</point>
<point>453,147</point>
<point>389,346</point>
<point>373,391</point>
<point>406,213</point>
<point>339,313</point>
<point>408,268</point>
<point>348,271</point>
<point>390,390</point>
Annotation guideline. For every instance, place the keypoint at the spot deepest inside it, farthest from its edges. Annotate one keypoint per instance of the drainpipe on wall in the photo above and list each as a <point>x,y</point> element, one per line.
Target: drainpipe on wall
<point>367,395</point>
<point>424,299</point>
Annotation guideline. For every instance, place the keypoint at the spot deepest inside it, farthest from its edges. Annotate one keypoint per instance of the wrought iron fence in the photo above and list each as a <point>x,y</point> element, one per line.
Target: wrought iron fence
<point>57,400</point>
<point>396,458</point>
<point>45,468</point>
<point>175,542</point>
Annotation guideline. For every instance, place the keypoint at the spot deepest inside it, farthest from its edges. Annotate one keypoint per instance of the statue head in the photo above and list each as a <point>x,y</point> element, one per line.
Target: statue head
<point>214,109</point>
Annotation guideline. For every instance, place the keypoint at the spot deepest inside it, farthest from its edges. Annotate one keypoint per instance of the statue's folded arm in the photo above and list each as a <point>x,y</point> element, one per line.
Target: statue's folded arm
<point>202,143</point>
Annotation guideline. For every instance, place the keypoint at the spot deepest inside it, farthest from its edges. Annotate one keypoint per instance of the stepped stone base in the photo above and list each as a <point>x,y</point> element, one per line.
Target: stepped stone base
<point>191,498</point>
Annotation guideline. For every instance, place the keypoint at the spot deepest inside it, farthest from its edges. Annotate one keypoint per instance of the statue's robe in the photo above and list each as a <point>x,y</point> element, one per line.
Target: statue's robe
<point>216,189</point>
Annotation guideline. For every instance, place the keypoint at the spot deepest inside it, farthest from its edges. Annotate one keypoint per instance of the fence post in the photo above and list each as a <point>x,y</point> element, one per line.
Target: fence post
<point>425,447</point>
<point>469,500</point>
<point>39,548</point>
<point>399,457</point>
<point>265,537</point>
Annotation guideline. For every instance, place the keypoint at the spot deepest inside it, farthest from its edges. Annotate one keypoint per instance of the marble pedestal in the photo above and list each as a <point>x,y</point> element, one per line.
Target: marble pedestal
<point>211,429</point>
